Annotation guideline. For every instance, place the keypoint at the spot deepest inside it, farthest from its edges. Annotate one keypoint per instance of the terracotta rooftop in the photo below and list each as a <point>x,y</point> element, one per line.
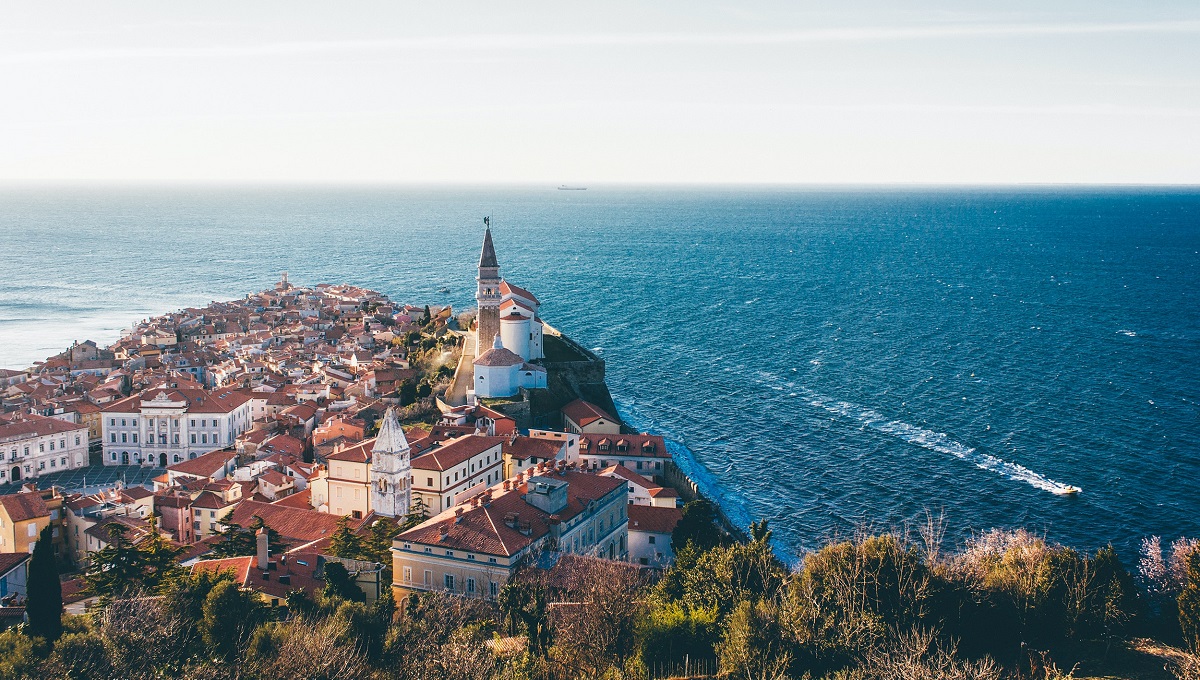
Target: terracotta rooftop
<point>584,412</point>
<point>204,465</point>
<point>653,520</point>
<point>635,445</point>
<point>499,356</point>
<point>25,505</point>
<point>294,524</point>
<point>455,452</point>
<point>482,529</point>
<point>523,448</point>
<point>35,426</point>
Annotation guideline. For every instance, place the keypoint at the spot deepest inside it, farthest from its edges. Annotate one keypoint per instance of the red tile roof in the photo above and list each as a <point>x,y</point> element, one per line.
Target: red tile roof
<point>456,451</point>
<point>523,448</point>
<point>584,412</point>
<point>197,400</point>
<point>653,520</point>
<point>25,505</point>
<point>483,529</point>
<point>296,524</point>
<point>507,288</point>
<point>10,561</point>
<point>204,465</point>
<point>36,426</point>
<point>637,445</point>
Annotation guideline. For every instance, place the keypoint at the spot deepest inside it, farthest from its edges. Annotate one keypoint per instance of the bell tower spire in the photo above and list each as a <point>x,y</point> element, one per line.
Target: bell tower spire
<point>487,292</point>
<point>391,469</point>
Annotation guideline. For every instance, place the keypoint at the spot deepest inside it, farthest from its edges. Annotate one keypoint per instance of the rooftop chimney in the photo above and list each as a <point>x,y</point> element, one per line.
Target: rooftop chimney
<point>458,515</point>
<point>261,538</point>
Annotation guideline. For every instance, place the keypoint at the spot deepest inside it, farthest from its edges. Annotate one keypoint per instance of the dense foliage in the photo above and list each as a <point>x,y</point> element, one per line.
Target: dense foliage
<point>1007,605</point>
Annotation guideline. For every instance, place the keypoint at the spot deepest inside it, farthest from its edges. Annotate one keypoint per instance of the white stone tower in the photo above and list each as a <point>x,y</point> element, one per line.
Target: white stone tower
<point>391,473</point>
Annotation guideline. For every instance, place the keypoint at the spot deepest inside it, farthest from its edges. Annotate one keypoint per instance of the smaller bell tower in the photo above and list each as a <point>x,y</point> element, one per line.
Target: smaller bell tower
<point>391,470</point>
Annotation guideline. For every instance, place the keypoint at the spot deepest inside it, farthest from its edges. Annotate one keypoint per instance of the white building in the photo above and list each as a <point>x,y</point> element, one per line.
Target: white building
<point>500,372</point>
<point>650,531</point>
<point>35,445</point>
<point>163,426</point>
<point>505,310</point>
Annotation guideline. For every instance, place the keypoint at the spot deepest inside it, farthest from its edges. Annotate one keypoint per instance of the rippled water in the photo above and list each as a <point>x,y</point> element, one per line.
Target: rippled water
<point>820,358</point>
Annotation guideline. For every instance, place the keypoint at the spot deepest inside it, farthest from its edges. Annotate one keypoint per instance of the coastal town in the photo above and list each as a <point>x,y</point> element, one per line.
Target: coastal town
<point>298,418</point>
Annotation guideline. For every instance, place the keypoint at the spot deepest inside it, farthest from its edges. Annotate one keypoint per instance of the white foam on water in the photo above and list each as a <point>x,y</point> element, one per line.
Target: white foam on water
<point>943,443</point>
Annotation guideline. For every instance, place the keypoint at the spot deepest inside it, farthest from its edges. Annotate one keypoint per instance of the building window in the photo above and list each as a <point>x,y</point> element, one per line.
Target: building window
<point>449,577</point>
<point>193,438</point>
<point>471,586</point>
<point>408,574</point>
<point>493,589</point>
<point>651,540</point>
<point>124,438</point>
<point>428,578</point>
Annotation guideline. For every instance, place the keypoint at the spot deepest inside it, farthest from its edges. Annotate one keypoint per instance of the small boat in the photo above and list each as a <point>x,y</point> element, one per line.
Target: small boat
<point>1068,490</point>
<point>443,290</point>
<point>564,187</point>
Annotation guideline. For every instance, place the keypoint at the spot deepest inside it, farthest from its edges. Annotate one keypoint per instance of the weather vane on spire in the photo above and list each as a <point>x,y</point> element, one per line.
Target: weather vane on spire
<point>487,221</point>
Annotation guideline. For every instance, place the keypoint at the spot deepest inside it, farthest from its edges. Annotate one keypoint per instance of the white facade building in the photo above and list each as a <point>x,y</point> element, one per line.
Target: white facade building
<point>500,372</point>
<point>163,426</point>
<point>35,445</point>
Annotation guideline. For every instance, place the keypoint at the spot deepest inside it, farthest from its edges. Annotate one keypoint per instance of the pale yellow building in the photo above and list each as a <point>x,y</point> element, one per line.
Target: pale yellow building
<point>22,517</point>
<point>458,466</point>
<point>349,480</point>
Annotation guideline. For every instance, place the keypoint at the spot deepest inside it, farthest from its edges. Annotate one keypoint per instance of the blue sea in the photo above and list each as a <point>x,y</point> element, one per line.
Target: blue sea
<point>824,358</point>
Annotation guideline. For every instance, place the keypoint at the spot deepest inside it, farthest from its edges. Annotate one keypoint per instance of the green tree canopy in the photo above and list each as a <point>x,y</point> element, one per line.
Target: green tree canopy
<point>44,606</point>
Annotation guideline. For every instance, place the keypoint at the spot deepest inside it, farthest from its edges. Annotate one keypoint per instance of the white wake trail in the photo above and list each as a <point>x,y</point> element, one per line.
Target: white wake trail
<point>942,443</point>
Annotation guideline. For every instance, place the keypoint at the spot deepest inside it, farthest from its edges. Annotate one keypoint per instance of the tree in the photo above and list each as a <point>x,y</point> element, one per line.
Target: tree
<point>753,646</point>
<point>339,584</point>
<point>44,606</point>
<point>115,568</point>
<point>1189,601</point>
<point>345,543</point>
<point>239,541</point>
<point>417,512</point>
<point>408,392</point>
<point>378,544</point>
<point>697,526</point>
<point>16,655</point>
<point>158,558</point>
<point>524,608</point>
<point>229,616</point>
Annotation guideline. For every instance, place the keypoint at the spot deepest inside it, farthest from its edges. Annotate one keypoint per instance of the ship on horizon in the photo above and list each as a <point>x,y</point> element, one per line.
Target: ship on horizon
<point>564,187</point>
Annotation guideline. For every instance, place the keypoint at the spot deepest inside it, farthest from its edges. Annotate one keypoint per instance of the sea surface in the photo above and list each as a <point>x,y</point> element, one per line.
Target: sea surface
<point>825,358</point>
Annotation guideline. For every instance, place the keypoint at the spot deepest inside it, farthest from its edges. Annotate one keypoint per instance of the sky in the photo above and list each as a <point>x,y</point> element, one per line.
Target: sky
<point>613,92</point>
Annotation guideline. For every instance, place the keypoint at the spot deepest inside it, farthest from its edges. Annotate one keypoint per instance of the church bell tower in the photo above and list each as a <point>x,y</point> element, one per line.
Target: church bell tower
<point>391,470</point>
<point>487,293</point>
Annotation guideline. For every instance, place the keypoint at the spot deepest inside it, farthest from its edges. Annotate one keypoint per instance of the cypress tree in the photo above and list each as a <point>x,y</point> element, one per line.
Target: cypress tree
<point>45,604</point>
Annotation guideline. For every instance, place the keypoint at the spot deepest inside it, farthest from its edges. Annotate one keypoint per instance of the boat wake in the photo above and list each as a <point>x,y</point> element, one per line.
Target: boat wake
<point>943,443</point>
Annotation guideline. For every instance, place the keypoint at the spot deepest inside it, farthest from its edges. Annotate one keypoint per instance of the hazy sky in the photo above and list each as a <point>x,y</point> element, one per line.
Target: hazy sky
<point>555,92</point>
